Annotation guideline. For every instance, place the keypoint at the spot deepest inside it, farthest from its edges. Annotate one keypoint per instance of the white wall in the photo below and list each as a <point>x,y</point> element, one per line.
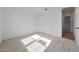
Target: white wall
<point>0,24</point>
<point>21,21</point>
<point>51,22</point>
<point>76,25</point>
<point>17,22</point>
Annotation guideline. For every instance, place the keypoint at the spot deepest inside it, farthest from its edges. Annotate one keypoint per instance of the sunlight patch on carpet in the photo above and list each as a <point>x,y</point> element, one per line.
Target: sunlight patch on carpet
<point>33,45</point>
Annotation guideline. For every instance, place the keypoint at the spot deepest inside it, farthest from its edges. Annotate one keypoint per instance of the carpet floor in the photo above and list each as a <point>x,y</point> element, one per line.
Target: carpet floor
<point>38,42</point>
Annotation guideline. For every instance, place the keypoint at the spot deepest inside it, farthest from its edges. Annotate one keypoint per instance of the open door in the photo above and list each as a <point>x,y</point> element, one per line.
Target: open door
<point>67,23</point>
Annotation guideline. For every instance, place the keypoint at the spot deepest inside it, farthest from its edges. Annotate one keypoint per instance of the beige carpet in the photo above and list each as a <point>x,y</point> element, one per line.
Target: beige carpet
<point>32,45</point>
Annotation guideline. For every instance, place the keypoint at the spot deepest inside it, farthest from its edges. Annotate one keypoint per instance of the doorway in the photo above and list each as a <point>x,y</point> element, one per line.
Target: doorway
<point>68,23</point>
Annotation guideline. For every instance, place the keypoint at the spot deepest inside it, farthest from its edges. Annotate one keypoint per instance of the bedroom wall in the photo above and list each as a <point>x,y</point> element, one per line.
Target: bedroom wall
<point>76,31</point>
<point>17,22</point>
<point>51,22</point>
<point>21,21</point>
<point>0,24</point>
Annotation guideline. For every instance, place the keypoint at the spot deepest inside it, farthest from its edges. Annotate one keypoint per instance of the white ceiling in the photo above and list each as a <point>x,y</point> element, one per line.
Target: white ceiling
<point>37,10</point>
<point>41,10</point>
